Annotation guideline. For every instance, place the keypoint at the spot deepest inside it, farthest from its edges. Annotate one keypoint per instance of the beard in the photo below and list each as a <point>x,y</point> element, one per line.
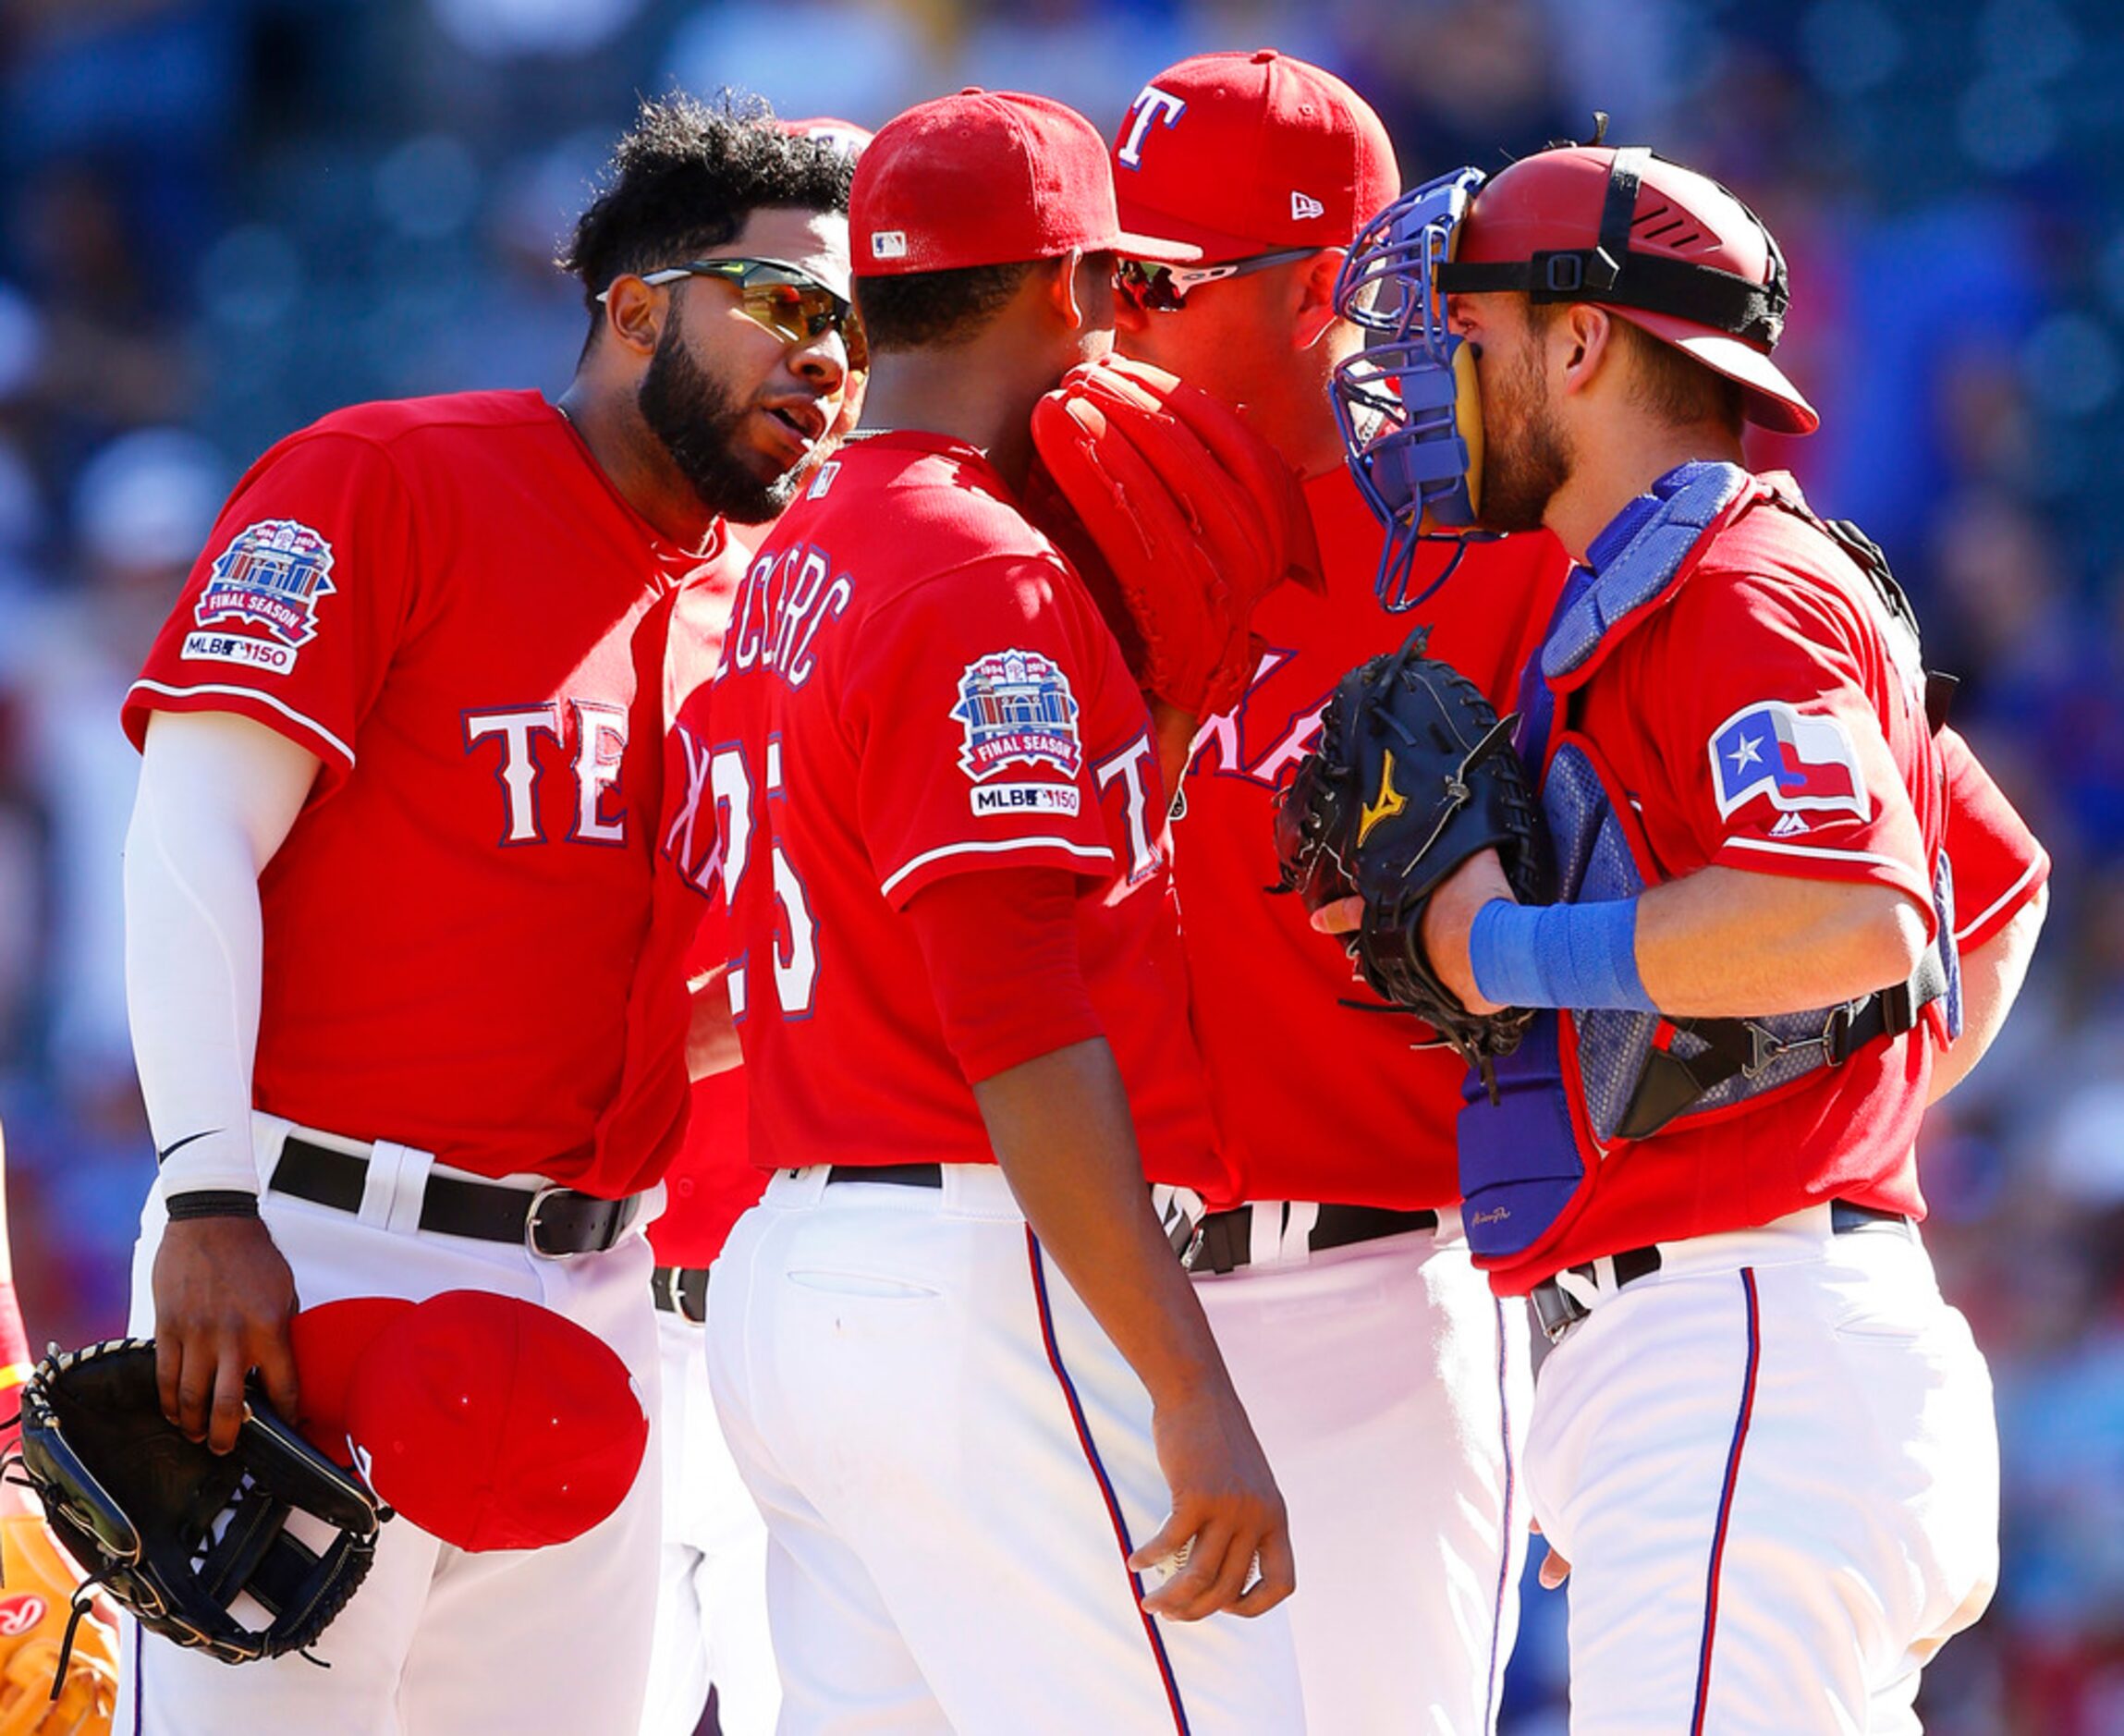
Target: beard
<point>1525,467</point>
<point>698,422</point>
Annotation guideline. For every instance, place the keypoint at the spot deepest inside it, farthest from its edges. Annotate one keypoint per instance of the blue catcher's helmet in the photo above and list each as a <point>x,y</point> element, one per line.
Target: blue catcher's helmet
<point>1406,402</point>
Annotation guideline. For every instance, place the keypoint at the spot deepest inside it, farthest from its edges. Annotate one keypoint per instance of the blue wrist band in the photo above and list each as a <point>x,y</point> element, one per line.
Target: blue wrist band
<point>1580,956</point>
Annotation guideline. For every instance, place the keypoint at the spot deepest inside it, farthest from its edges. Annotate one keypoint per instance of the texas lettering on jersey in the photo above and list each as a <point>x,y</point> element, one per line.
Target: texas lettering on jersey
<point>593,735</point>
<point>1263,746</point>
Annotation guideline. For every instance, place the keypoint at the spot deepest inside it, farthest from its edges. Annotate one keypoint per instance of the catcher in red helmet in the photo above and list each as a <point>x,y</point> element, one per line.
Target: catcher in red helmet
<point>1762,1436</point>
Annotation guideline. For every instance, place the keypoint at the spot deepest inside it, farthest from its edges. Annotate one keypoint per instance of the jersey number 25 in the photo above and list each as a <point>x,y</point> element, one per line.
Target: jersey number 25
<point>796,956</point>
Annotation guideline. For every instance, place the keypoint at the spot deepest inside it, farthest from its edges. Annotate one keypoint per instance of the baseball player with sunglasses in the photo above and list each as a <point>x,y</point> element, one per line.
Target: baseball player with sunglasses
<point>1389,1385</point>
<point>407,1009</point>
<point>1762,1441</point>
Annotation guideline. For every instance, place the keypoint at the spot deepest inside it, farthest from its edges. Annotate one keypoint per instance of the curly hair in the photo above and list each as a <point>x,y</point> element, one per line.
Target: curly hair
<point>684,179</point>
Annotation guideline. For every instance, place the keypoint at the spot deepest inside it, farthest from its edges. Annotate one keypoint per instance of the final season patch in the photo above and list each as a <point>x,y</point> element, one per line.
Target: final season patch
<point>1017,710</point>
<point>273,575</point>
<point>1802,763</point>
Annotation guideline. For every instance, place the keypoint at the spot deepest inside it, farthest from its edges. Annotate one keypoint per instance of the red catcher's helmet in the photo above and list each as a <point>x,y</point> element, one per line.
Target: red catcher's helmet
<point>1660,246</point>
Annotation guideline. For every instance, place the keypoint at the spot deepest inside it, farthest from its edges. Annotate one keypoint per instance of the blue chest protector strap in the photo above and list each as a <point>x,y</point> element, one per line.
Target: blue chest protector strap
<point>1625,1075</point>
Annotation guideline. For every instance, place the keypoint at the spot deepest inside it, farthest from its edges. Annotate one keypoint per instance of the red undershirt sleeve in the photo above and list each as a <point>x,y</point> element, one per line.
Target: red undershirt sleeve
<point>1001,948</point>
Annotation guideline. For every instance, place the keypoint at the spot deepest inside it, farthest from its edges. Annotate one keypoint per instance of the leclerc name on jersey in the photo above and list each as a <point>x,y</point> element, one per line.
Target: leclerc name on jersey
<point>783,602</point>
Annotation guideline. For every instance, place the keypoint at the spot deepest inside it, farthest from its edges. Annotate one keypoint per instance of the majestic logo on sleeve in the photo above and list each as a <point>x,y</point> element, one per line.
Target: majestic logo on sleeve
<point>1802,763</point>
<point>271,575</point>
<point>1016,709</point>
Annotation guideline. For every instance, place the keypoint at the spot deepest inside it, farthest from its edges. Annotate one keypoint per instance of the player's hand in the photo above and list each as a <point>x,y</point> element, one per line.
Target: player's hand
<point>1228,1514</point>
<point>1449,919</point>
<point>1555,1569</point>
<point>223,1297</point>
<point>711,1045</point>
<point>1345,916</point>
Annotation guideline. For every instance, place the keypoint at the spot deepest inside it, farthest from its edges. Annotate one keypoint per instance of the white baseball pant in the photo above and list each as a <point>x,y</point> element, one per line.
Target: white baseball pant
<point>1774,1468</point>
<point>1389,1386</point>
<point>954,1463</point>
<point>435,1642</point>
<point>711,1595</point>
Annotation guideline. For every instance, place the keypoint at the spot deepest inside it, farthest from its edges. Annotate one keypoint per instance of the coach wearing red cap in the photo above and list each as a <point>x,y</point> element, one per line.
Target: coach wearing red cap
<point>1389,1386</point>
<point>1007,1481</point>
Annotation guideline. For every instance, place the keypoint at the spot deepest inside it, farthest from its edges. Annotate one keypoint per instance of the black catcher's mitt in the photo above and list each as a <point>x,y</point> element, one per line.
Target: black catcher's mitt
<point>1413,773</point>
<point>175,1533</point>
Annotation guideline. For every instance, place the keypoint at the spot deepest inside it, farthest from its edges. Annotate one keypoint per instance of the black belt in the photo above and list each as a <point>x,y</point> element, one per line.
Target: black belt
<point>1558,1309</point>
<point>888,1175</point>
<point>1179,1227</point>
<point>550,1221</point>
<point>1225,1240</point>
<point>681,1289</point>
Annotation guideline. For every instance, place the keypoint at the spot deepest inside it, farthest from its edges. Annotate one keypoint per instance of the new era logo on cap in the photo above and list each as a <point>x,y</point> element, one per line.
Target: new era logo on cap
<point>888,244</point>
<point>1301,207</point>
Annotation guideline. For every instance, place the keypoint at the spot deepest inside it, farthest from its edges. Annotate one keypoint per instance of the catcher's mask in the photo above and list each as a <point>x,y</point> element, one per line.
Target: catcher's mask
<point>1664,248</point>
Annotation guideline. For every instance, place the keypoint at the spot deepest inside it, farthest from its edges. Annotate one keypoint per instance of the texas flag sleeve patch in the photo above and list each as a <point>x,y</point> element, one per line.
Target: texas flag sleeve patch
<point>1802,763</point>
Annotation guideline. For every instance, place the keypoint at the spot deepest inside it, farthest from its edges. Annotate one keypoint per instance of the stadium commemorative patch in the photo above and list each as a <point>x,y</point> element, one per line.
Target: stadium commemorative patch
<point>260,605</point>
<point>1802,763</point>
<point>1016,709</point>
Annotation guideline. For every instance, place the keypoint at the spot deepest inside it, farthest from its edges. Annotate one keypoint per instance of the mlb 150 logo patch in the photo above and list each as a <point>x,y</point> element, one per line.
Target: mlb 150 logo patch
<point>1016,709</point>
<point>271,575</point>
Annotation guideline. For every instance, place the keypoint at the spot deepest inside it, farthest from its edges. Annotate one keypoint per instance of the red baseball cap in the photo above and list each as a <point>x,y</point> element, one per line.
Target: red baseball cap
<point>987,178</point>
<point>329,1342</point>
<point>491,1422</point>
<point>1556,201</point>
<point>1244,154</point>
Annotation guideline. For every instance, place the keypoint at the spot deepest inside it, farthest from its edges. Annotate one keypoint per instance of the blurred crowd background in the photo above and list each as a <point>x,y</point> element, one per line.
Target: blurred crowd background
<point>221,218</point>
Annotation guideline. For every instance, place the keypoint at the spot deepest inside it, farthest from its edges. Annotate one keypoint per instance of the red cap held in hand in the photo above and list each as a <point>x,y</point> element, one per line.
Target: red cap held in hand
<point>492,1423</point>
<point>987,178</point>
<point>1243,154</point>
<point>329,1342</point>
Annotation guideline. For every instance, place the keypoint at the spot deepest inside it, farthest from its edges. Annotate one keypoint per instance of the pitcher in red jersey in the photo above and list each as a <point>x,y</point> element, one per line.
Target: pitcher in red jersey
<point>955,1357</point>
<point>403,1019</point>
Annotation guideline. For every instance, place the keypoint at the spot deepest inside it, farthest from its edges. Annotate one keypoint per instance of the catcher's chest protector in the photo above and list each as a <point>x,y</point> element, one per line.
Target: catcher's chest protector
<point>1574,1088</point>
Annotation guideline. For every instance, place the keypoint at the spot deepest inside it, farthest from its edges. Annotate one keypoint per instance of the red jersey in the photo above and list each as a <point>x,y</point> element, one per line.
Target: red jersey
<point>1270,991</point>
<point>916,685</point>
<point>1999,865</point>
<point>711,1182</point>
<point>447,601</point>
<point>1757,719</point>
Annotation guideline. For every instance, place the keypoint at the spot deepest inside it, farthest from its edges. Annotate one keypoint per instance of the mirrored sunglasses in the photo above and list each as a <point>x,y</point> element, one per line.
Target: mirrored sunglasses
<point>779,298</point>
<point>1164,288</point>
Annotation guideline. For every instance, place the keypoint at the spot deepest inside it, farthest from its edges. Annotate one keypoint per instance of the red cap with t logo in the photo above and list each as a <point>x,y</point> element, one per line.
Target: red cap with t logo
<point>1242,153</point>
<point>987,178</point>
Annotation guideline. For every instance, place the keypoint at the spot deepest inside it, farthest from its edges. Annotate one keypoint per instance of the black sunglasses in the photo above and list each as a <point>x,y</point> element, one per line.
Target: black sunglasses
<point>1164,288</point>
<point>780,298</point>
